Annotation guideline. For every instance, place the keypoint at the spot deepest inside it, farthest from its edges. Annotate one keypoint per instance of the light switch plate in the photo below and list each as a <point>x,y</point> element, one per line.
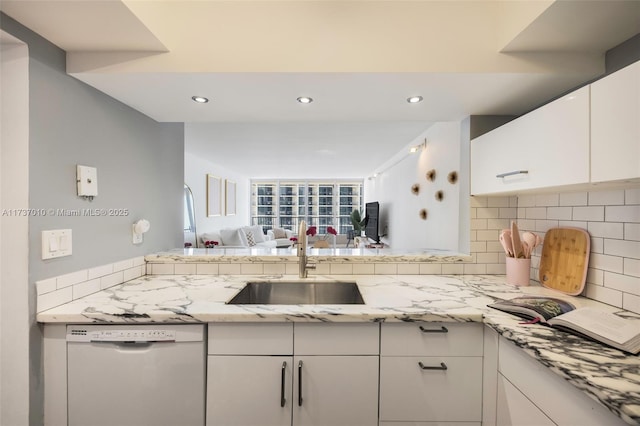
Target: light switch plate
<point>87,179</point>
<point>56,243</point>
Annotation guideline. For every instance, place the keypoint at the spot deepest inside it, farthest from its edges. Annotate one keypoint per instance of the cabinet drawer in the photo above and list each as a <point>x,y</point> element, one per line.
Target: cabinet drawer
<point>250,339</point>
<point>431,338</point>
<point>337,339</point>
<point>409,393</point>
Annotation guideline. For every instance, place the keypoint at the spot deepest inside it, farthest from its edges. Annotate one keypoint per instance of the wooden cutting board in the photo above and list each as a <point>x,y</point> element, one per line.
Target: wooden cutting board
<point>565,258</point>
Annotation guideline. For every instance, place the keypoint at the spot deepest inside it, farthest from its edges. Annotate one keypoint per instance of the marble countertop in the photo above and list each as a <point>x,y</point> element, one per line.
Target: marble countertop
<point>605,374</point>
<point>337,255</point>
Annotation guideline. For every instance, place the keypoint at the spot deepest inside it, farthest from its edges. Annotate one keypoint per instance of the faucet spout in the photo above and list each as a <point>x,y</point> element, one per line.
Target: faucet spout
<point>302,250</point>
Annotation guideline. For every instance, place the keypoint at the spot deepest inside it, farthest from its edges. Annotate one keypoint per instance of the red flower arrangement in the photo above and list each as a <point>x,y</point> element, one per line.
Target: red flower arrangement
<point>210,244</point>
<point>187,245</point>
<point>312,231</point>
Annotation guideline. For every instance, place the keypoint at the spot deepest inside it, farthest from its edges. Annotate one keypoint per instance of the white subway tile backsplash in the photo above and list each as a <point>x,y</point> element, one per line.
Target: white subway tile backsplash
<point>100,271</point>
<point>185,269</point>
<point>488,235</point>
<point>631,303</point>
<point>111,280</point>
<point>341,268</point>
<point>487,258</point>
<point>478,246</point>
<point>508,213</point>
<point>595,276</point>
<point>207,268</point>
<point>435,269</point>
<point>67,280</point>
<point>251,268</point>
<point>487,213</point>
<point>475,269</point>
<point>139,261</point>
<point>321,269</point>
<point>526,201</point>
<point>45,286</point>
<point>573,223</point>
<point>363,269</point>
<point>450,269</point>
<point>55,298</point>
<point>604,295</point>
<point>122,265</point>
<point>274,269</point>
<point>386,269</point>
<point>498,223</point>
<point>536,213</point>
<point>85,288</point>
<point>591,213</point>
<point>559,213</point>
<point>632,196</point>
<point>631,267</point>
<point>229,269</point>
<point>624,283</point>
<point>606,229</point>
<point>496,269</point>
<point>622,248</point>
<point>132,273</point>
<point>478,202</point>
<point>606,198</point>
<point>632,231</point>
<point>606,263</point>
<point>623,214</point>
<point>161,269</point>
<point>548,200</point>
<point>478,223</point>
<point>574,199</point>
<point>408,268</point>
<point>545,225</point>
<point>597,245</point>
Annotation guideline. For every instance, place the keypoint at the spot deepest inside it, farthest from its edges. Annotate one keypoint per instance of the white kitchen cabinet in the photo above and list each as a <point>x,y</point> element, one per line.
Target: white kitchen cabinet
<point>615,126</point>
<point>528,391</point>
<point>548,147</point>
<point>335,390</point>
<point>257,375</point>
<point>249,390</point>
<point>514,408</point>
<point>431,372</point>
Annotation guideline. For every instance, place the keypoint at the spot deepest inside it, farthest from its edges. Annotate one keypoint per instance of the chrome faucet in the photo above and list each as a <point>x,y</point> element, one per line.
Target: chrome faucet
<point>302,250</point>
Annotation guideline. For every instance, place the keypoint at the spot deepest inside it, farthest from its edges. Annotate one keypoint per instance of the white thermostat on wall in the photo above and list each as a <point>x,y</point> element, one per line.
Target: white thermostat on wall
<point>87,179</point>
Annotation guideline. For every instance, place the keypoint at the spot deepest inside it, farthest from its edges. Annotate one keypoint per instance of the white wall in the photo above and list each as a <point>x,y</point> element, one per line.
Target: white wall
<point>195,175</point>
<point>399,208</point>
<point>14,232</point>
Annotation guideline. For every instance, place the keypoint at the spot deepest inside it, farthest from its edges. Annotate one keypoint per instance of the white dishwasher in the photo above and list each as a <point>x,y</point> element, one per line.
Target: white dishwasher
<point>136,375</point>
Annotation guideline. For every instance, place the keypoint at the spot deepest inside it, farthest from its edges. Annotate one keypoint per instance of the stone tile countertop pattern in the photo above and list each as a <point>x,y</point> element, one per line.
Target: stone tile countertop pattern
<point>604,373</point>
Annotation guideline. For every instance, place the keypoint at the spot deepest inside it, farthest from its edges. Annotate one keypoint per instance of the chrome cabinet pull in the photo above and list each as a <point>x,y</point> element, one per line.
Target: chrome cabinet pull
<point>300,383</point>
<point>282,398</point>
<point>442,329</point>
<point>515,172</point>
<point>442,366</point>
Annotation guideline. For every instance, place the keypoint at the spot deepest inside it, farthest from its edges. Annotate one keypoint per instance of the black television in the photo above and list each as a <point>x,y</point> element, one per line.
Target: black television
<point>372,212</point>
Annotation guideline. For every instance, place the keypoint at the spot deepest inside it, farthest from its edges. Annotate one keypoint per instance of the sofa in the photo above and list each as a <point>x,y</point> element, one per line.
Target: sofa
<point>248,236</point>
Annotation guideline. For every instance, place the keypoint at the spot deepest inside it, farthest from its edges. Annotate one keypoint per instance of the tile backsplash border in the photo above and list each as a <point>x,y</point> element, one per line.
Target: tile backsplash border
<point>612,218</point>
<point>56,291</point>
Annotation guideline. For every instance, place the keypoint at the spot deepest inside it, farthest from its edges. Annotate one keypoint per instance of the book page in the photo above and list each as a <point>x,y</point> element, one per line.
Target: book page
<point>601,323</point>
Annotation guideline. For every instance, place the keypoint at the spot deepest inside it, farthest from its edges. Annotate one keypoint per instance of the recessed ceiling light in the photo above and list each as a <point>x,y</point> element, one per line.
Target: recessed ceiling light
<point>305,100</point>
<point>414,99</point>
<point>200,99</point>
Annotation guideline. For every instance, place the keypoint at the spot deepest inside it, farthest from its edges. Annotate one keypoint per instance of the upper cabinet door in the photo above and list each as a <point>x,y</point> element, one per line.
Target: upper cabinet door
<point>615,126</point>
<point>548,147</point>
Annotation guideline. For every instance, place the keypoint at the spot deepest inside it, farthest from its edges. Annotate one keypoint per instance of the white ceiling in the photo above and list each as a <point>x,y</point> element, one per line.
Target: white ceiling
<point>358,59</point>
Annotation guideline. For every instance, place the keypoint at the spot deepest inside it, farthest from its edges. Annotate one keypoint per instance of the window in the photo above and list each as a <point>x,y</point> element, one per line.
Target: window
<point>284,204</point>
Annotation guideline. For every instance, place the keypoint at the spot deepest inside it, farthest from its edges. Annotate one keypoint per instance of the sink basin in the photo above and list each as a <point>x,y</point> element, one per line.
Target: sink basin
<point>298,293</point>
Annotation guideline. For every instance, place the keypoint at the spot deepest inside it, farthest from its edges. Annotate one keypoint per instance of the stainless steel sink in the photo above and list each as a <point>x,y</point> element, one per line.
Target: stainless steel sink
<point>298,293</point>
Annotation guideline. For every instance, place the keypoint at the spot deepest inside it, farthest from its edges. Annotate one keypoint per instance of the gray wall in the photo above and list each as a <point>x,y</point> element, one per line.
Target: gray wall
<point>140,168</point>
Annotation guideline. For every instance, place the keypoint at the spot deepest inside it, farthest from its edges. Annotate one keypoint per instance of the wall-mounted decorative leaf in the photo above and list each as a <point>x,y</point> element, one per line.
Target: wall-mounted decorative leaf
<point>423,214</point>
<point>453,177</point>
<point>439,195</point>
<point>415,189</point>
<point>431,175</point>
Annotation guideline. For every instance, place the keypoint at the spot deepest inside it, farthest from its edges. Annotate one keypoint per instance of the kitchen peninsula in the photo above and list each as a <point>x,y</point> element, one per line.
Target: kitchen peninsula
<point>604,374</point>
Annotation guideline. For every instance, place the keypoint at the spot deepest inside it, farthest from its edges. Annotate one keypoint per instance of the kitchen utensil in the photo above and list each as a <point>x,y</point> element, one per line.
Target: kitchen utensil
<point>515,239</point>
<point>506,242</point>
<point>526,250</point>
<point>539,240</point>
<point>530,239</point>
<point>565,258</point>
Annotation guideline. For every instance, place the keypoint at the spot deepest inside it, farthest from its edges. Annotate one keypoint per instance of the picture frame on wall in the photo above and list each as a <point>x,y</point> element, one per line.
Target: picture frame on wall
<point>230,204</point>
<point>214,195</point>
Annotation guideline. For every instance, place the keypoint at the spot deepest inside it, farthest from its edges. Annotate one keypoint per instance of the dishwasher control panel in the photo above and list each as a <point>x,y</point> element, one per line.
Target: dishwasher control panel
<point>85,334</point>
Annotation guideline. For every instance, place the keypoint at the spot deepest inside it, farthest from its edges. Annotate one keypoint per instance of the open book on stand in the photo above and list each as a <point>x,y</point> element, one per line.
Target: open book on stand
<point>604,327</point>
